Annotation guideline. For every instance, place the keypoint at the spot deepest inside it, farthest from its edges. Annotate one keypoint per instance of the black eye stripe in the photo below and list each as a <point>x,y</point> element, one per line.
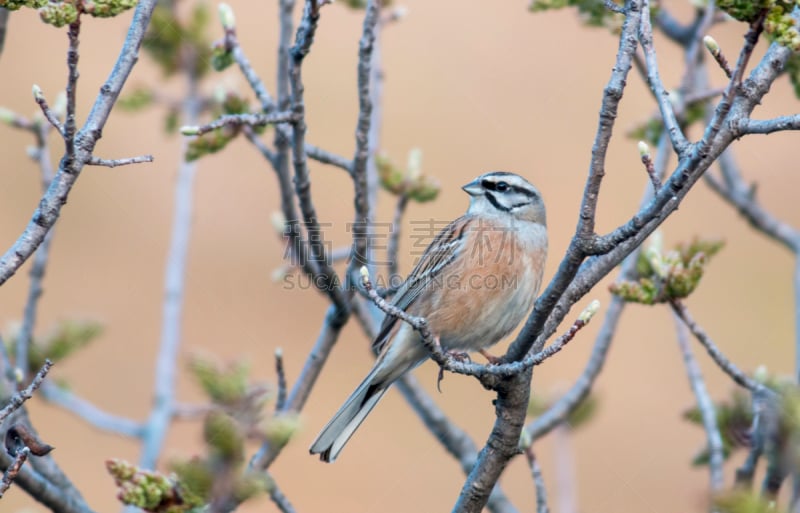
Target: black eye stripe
<point>490,185</point>
<point>496,204</point>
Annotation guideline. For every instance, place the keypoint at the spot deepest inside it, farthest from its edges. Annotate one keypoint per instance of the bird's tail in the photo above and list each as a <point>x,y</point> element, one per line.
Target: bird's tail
<point>337,432</point>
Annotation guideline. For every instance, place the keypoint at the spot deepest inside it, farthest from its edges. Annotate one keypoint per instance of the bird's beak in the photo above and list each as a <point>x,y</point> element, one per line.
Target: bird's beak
<point>473,188</point>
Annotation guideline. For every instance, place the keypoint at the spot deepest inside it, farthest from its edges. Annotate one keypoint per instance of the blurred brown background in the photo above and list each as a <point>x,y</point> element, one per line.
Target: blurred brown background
<point>478,86</point>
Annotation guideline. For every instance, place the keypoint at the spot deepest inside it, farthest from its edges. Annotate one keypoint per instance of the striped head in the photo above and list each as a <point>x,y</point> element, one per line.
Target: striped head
<point>501,193</point>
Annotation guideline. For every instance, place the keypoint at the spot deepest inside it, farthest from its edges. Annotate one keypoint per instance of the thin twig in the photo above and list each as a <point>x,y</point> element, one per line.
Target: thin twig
<point>265,99</point>
<point>538,481</point>
<point>331,328</point>
<point>70,123</point>
<point>647,160</point>
<point>706,406</point>
<point>18,399</point>
<point>734,84</point>
<point>174,289</point>
<point>740,195</point>
<point>96,161</point>
<point>51,203</point>
<point>280,400</point>
<point>716,52</point>
<point>327,281</point>
<point>278,498</point>
<point>49,114</point>
<point>40,258</point>
<point>12,470</point>
<point>485,373</point>
<point>679,142</point>
<point>90,413</point>
<point>362,152</point>
<point>722,361</point>
<point>559,411</point>
<point>394,238</point>
<point>237,120</point>
<point>266,152</point>
<point>768,126</point>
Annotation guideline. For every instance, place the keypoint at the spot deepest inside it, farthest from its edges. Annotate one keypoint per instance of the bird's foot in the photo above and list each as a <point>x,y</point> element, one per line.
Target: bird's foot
<point>493,360</point>
<point>459,356</point>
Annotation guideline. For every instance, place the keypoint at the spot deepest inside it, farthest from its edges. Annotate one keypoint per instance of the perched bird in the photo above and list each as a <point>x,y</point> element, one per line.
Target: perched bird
<point>474,284</point>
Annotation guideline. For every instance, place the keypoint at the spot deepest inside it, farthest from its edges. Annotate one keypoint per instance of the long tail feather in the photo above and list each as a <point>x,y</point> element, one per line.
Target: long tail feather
<point>337,432</point>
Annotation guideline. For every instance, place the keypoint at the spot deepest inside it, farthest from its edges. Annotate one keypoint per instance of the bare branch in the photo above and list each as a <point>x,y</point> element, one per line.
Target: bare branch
<point>679,142</point>
<point>362,152</point>
<point>716,52</point>
<point>51,116</point>
<point>45,491</point>
<point>722,361</point>
<point>18,399</point>
<point>559,411</point>
<point>51,203</point>
<point>278,498</point>
<point>741,196</point>
<point>768,126</point>
<point>155,430</point>
<point>265,99</point>
<point>454,439</point>
<point>538,481</point>
<point>327,281</point>
<point>326,157</point>
<point>70,123</point>
<point>644,152</point>
<point>96,161</point>
<point>237,120</point>
<point>331,328</point>
<point>90,413</point>
<point>532,337</point>
<point>12,470</point>
<point>40,258</point>
<point>706,406</point>
<point>280,400</point>
<point>394,238</point>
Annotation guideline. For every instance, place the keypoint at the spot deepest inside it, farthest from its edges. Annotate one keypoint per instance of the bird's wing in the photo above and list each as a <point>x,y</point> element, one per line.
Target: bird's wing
<point>441,253</point>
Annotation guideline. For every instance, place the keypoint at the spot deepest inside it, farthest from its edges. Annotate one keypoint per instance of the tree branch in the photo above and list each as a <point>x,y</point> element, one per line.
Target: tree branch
<point>705,405</point>
<point>722,361</point>
<point>90,413</point>
<point>51,203</point>
<point>157,425</point>
<point>18,399</point>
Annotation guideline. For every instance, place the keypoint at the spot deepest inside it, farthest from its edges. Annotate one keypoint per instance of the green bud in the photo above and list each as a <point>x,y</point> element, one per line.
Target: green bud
<point>7,116</point>
<point>424,189</point>
<point>37,93</point>
<point>644,149</point>
<point>226,17</point>
<point>224,437</point>
<point>189,130</point>
<point>280,429</point>
<point>414,164</point>
<point>711,45</point>
<point>107,8</point>
<point>525,440</point>
<point>221,58</point>
<point>589,311</point>
<point>58,14</point>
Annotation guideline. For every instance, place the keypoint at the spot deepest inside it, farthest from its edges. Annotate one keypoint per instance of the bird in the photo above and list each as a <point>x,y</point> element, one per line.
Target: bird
<point>474,284</point>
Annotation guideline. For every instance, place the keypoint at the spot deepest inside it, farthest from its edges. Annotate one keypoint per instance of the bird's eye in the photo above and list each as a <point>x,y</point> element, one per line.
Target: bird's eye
<point>501,187</point>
